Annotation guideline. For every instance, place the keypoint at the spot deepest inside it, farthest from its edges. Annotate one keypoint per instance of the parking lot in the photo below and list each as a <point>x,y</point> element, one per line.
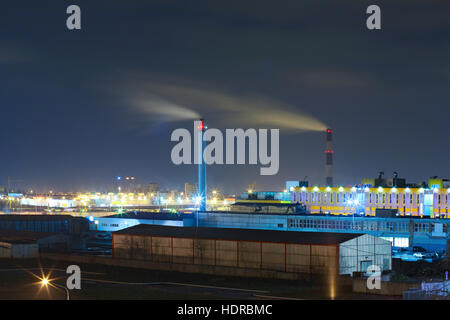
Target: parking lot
<point>416,253</point>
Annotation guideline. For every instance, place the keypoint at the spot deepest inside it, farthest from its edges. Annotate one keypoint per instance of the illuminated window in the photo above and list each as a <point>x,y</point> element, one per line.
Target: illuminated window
<point>401,242</point>
<point>421,227</point>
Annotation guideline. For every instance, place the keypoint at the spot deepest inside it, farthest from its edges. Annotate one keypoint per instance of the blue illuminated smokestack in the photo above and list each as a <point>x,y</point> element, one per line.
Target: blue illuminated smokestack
<point>201,166</point>
<point>329,158</point>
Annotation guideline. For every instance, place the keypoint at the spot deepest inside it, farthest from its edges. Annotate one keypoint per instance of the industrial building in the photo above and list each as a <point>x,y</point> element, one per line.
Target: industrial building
<point>67,230</point>
<point>28,244</point>
<point>401,231</point>
<point>430,200</point>
<point>43,223</point>
<point>282,197</point>
<point>281,251</point>
<point>125,220</point>
<point>18,249</point>
<point>365,200</point>
<point>403,214</point>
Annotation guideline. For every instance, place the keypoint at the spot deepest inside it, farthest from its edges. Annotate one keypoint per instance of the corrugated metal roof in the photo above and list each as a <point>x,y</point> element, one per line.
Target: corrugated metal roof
<point>150,216</point>
<point>14,236</point>
<point>39,217</point>
<point>240,234</point>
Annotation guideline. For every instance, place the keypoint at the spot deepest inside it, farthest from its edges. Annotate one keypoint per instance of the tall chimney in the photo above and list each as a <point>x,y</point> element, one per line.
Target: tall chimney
<point>329,158</point>
<point>201,166</point>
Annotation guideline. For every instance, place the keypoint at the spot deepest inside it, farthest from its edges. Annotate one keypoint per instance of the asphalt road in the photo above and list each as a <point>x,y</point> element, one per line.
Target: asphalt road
<point>21,280</point>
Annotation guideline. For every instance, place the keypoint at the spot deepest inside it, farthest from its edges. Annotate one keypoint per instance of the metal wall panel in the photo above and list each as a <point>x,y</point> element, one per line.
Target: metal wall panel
<point>138,248</point>
<point>122,246</point>
<point>273,256</point>
<point>226,253</point>
<point>249,254</point>
<point>162,249</point>
<point>304,258</point>
<point>298,258</point>
<point>323,259</point>
<point>183,250</point>
<point>204,252</point>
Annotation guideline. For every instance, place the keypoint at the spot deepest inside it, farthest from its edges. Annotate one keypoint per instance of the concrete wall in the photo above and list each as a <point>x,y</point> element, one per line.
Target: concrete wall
<point>388,288</point>
<point>298,258</point>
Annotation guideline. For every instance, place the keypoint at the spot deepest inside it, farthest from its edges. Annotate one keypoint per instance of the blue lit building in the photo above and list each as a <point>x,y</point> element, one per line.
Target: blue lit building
<point>419,214</point>
<point>401,231</point>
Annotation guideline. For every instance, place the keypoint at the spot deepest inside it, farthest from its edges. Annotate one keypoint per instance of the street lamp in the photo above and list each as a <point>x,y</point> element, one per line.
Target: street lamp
<point>46,282</point>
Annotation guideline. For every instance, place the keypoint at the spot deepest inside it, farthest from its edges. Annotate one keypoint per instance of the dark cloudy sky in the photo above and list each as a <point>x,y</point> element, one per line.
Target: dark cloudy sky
<point>68,98</point>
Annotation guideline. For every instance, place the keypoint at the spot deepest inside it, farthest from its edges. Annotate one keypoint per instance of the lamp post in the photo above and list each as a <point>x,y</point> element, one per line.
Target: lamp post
<point>45,282</point>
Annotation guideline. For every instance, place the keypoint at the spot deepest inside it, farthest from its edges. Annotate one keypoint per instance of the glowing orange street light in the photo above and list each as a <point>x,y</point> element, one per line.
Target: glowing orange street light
<point>46,282</point>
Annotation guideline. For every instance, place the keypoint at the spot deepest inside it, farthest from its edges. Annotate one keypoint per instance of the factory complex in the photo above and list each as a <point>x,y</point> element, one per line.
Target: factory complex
<point>301,229</point>
<point>406,215</point>
<point>313,253</point>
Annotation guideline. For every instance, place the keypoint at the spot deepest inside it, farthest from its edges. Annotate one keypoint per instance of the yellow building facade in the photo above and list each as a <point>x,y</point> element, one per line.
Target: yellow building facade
<point>365,200</point>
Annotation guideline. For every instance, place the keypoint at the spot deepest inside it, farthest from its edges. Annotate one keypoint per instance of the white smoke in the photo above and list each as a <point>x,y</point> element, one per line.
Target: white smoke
<point>173,100</point>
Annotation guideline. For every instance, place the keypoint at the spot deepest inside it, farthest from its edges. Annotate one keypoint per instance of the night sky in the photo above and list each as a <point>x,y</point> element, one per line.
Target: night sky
<point>68,98</point>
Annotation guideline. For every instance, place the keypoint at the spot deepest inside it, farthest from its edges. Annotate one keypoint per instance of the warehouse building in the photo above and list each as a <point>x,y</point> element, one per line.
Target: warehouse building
<point>281,251</point>
<point>125,220</point>
<point>18,249</point>
<point>28,244</point>
<point>69,228</point>
<point>44,223</point>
